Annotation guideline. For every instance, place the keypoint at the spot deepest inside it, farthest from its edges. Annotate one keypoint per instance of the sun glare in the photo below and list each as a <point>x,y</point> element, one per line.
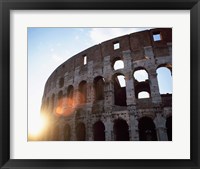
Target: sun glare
<point>38,125</point>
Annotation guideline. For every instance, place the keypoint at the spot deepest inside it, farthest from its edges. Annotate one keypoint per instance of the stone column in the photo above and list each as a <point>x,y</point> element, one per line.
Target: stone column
<point>108,128</point>
<point>155,94</point>
<point>160,127</point>
<point>133,124</point>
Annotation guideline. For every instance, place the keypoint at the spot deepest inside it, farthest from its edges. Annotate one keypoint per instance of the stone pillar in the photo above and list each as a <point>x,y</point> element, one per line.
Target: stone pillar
<point>133,124</point>
<point>130,94</point>
<point>108,95</point>
<point>108,128</point>
<point>155,94</point>
<point>160,127</point>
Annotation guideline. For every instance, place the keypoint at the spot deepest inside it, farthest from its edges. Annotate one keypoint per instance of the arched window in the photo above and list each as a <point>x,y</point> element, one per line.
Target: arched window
<point>70,93</point>
<point>142,95</point>
<point>119,64</point>
<point>164,80</point>
<point>61,82</point>
<point>99,88</point>
<point>83,92</point>
<point>147,130</point>
<point>59,107</point>
<point>52,102</point>
<point>141,75</point>
<point>119,89</point>
<point>121,130</point>
<point>80,132</point>
<point>99,131</point>
<point>142,90</point>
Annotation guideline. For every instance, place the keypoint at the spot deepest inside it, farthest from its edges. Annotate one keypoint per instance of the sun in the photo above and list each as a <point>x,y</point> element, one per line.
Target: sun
<point>37,126</point>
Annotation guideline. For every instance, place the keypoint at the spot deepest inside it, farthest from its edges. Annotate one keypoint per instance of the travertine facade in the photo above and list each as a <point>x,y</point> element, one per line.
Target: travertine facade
<point>84,100</point>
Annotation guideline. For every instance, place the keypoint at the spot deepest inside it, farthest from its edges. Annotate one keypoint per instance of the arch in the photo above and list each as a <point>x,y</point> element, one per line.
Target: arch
<point>47,104</point>
<point>147,130</point>
<point>70,95</point>
<point>118,64</point>
<point>67,132</point>
<point>142,87</point>
<point>99,131</point>
<point>164,80</point>
<point>119,89</point>
<point>99,88</point>
<point>56,133</point>
<point>61,82</point>
<point>121,130</point>
<point>143,94</point>
<point>140,74</point>
<point>52,102</point>
<point>82,92</point>
<point>169,128</point>
<point>80,132</point>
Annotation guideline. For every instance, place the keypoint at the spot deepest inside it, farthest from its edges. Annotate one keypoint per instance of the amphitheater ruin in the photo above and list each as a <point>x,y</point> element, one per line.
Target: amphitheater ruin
<point>85,100</point>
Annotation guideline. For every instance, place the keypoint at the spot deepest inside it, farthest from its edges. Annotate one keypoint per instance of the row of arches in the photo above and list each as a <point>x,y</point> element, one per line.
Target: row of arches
<point>141,85</point>
<point>146,126</point>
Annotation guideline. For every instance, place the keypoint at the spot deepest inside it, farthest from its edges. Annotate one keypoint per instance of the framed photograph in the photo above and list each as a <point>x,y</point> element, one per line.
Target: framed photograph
<point>98,84</point>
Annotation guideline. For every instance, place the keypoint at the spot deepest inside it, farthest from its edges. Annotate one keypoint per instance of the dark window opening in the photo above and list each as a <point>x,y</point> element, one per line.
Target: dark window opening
<point>83,92</point>
<point>99,88</point>
<point>169,128</point>
<point>147,130</point>
<point>119,90</point>
<point>70,93</point>
<point>80,132</point>
<point>142,90</point>
<point>61,82</point>
<point>99,131</point>
<point>121,130</point>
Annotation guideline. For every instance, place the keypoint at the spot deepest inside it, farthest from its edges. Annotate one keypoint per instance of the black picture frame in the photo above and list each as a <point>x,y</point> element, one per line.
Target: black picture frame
<point>7,5</point>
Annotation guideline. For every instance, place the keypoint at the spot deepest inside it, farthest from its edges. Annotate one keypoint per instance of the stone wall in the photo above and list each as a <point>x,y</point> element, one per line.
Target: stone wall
<point>78,111</point>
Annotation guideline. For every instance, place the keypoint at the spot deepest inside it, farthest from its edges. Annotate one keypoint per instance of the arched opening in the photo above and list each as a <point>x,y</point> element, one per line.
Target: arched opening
<point>164,80</point>
<point>147,130</point>
<point>119,90</point>
<point>121,130</point>
<point>59,107</point>
<point>70,94</point>
<point>169,128</point>
<point>83,92</point>
<point>99,131</point>
<point>61,82</point>
<point>80,131</point>
<point>67,132</point>
<point>141,75</point>
<point>47,104</point>
<point>56,133</point>
<point>118,64</point>
<point>143,95</point>
<point>142,88</point>
<point>52,102</point>
<point>99,88</point>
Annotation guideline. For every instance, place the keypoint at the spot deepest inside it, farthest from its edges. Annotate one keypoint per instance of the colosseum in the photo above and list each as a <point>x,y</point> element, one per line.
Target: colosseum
<point>85,100</point>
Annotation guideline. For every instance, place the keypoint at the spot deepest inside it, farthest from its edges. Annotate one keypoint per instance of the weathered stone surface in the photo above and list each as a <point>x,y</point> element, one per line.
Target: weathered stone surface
<point>99,108</point>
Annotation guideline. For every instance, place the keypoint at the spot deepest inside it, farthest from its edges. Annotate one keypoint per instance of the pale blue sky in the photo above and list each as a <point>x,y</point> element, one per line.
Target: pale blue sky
<point>50,47</point>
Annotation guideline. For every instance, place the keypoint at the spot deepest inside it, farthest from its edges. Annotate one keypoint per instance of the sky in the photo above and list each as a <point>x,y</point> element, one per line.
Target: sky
<point>50,47</point>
